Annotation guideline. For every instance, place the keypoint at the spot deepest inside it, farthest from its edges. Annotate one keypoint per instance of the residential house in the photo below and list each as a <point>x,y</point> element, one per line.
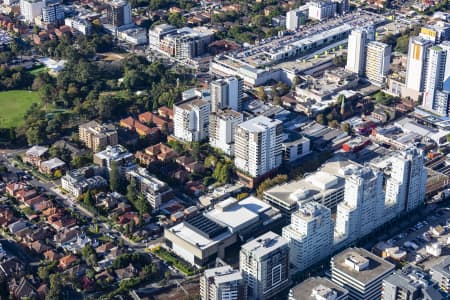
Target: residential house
<point>35,155</point>
<point>22,289</point>
<point>50,166</point>
<point>67,261</point>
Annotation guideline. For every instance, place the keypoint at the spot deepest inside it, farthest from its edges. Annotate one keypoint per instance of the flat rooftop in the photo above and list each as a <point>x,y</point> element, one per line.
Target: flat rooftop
<point>223,274</point>
<point>238,214</point>
<point>304,290</point>
<point>329,177</point>
<point>376,265</point>
<point>192,236</point>
<point>264,244</point>
<point>259,124</point>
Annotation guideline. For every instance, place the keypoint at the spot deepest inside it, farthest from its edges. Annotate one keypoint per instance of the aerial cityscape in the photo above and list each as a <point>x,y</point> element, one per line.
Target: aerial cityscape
<point>225,150</point>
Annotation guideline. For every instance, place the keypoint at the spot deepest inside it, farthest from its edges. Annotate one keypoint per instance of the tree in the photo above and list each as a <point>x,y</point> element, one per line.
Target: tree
<point>54,292</point>
<point>320,119</point>
<point>268,183</point>
<point>261,93</point>
<point>142,205</point>
<point>57,174</point>
<point>131,190</point>
<point>345,127</point>
<point>114,177</point>
<point>167,275</point>
<point>88,199</point>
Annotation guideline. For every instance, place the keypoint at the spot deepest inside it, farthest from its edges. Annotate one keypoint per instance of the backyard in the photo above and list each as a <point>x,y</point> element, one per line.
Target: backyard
<point>13,106</point>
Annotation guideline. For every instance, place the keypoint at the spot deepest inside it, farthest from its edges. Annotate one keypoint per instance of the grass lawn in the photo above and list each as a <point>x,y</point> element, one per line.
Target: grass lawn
<point>13,106</point>
<point>38,70</point>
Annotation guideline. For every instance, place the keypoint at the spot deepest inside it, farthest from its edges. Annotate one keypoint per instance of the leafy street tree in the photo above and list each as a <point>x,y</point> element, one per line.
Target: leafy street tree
<point>114,177</point>
<point>131,190</point>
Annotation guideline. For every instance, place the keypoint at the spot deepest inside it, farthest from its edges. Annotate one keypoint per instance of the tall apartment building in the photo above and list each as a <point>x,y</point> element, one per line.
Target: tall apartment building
<point>356,54</point>
<point>53,13</point>
<point>258,146</point>
<point>378,58</point>
<point>437,32</point>
<point>295,18</point>
<point>222,283</point>
<point>321,10</point>
<point>437,79</point>
<point>363,206</point>
<point>417,56</point>
<point>118,13</point>
<point>191,120</point>
<point>310,235</point>
<point>409,283</point>
<point>264,264</point>
<point>222,127</point>
<point>157,33</point>
<point>405,188</point>
<point>96,137</point>
<point>226,93</point>
<point>30,9</point>
<point>360,272</point>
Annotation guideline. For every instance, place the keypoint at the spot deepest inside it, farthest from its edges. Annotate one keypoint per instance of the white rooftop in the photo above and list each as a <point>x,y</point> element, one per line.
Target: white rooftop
<point>238,215</point>
<point>195,238</point>
<point>259,124</point>
<point>264,244</point>
<point>37,151</point>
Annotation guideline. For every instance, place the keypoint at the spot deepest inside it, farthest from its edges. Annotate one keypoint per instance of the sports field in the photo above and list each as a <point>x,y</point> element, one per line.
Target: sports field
<point>13,105</point>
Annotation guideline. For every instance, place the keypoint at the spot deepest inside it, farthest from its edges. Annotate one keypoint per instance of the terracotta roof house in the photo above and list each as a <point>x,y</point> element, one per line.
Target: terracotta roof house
<point>51,255</point>
<point>67,261</point>
<point>127,123</point>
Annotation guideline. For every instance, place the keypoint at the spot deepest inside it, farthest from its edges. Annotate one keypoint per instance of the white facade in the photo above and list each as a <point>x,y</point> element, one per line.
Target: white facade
<point>222,127</point>
<point>30,9</point>
<point>415,70</point>
<point>437,77</point>
<point>226,93</point>
<point>310,235</point>
<point>264,263</point>
<point>295,18</point>
<point>222,283</point>
<point>377,62</point>
<point>363,206</point>
<point>405,189</point>
<point>191,120</point>
<point>80,25</point>
<point>321,10</point>
<point>258,146</point>
<point>356,53</point>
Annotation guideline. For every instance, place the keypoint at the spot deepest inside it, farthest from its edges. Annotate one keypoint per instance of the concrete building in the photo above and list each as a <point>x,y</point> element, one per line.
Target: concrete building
<point>417,57</point>
<point>360,272</point>
<point>409,283</point>
<point>199,240</point>
<point>405,188</point>
<point>296,17</point>
<point>222,127</point>
<point>77,182</point>
<point>326,186</point>
<point>437,79</point>
<point>191,120</point>
<point>247,218</point>
<point>96,137</point>
<point>119,13</point>
<point>363,207</point>
<point>264,263</point>
<point>118,154</point>
<point>317,288</point>
<point>440,273</point>
<point>53,13</point>
<point>310,235</point>
<point>295,146</point>
<point>356,53</point>
<point>182,43</point>
<point>378,58</point>
<point>222,283</point>
<point>436,32</point>
<point>30,9</point>
<point>226,93</point>
<point>79,25</point>
<point>258,146</point>
<point>155,191</point>
<point>321,10</point>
